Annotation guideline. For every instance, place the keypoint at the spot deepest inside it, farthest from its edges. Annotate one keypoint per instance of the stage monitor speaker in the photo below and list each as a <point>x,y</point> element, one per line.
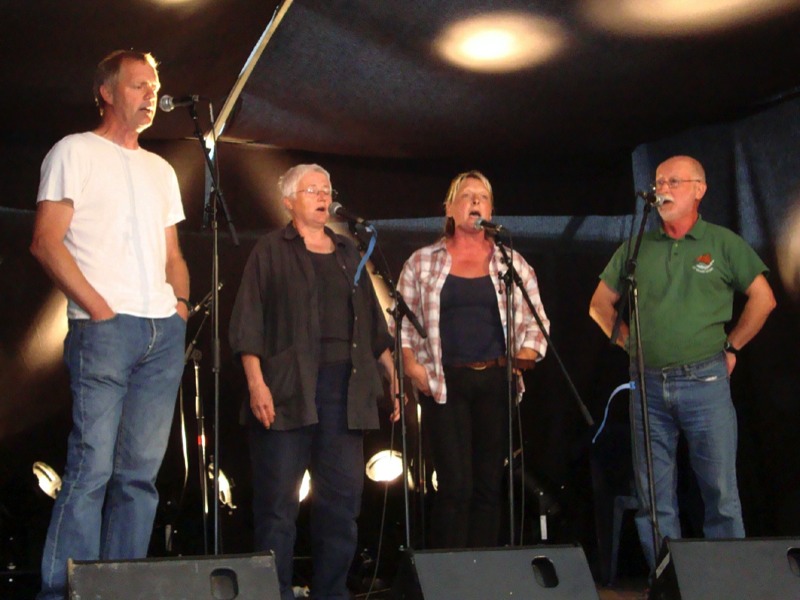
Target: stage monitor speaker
<point>748,569</point>
<point>526,573</point>
<point>240,577</point>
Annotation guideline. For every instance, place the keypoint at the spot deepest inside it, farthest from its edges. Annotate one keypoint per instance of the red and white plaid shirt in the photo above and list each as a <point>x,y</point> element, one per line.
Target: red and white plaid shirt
<point>420,285</point>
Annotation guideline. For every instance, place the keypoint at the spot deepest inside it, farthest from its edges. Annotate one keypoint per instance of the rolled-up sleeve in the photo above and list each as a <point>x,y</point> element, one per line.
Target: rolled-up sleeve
<point>246,330</point>
<point>529,334</point>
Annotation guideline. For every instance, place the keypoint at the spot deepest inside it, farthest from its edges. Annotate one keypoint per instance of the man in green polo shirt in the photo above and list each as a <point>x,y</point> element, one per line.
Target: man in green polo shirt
<point>686,275</point>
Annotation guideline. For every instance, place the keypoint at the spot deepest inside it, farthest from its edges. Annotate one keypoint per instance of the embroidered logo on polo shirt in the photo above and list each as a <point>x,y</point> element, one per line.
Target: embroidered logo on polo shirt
<point>703,264</point>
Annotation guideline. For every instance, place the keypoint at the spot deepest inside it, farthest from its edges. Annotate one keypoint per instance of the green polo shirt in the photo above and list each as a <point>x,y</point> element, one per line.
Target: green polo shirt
<point>686,290</point>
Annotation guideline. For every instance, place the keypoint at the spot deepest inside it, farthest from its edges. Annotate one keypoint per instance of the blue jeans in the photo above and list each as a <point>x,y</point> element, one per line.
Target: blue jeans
<point>334,456</point>
<point>124,377</point>
<point>694,399</point>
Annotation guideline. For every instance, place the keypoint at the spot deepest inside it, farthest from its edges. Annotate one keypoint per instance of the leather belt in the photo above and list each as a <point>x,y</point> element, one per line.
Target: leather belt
<point>519,363</point>
<point>481,365</point>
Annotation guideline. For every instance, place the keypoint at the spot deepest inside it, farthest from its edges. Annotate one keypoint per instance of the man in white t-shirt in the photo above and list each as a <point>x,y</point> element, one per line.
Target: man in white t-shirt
<point>105,232</point>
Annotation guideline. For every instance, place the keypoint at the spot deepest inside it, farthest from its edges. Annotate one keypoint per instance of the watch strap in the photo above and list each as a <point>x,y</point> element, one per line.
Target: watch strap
<point>728,347</point>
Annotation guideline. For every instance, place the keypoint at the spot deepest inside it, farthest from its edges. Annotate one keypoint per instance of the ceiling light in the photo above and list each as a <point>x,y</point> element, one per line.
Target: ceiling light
<point>173,2</point>
<point>500,42</point>
<point>787,249</point>
<point>679,17</point>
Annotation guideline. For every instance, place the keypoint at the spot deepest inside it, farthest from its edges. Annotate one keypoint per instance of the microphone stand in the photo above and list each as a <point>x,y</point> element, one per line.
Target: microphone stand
<point>511,277</point>
<point>195,355</point>
<point>630,294</point>
<point>215,199</point>
<point>399,311</point>
<point>511,387</point>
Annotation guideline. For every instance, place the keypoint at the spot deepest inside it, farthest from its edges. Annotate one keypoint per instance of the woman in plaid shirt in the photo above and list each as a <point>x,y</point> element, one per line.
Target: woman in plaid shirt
<point>455,289</point>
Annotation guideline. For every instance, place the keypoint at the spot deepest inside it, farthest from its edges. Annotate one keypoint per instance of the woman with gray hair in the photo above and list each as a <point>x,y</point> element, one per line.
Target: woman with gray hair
<point>311,338</point>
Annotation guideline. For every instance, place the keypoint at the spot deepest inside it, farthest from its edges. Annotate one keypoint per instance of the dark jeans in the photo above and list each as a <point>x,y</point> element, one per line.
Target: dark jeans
<point>468,435</point>
<point>334,456</point>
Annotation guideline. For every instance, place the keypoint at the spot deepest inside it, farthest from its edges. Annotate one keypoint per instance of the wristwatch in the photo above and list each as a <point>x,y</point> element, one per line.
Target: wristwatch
<point>728,347</point>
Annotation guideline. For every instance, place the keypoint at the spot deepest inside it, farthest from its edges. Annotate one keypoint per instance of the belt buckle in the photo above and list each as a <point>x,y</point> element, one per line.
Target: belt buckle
<point>479,367</point>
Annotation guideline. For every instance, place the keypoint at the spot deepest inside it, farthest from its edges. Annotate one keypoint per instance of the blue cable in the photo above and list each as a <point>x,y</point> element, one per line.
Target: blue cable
<point>367,254</point>
<point>631,385</point>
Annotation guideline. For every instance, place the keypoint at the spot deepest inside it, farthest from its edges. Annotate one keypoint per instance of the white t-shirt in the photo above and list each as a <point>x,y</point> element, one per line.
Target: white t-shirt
<point>123,202</point>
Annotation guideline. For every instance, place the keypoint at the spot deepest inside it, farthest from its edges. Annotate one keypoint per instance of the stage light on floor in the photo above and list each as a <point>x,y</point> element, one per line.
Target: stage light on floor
<point>49,481</point>
<point>305,486</point>
<point>225,495</point>
<point>386,465</point>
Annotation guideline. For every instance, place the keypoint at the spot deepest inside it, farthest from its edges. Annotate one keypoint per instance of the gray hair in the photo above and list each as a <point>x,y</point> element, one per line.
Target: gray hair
<point>287,183</point>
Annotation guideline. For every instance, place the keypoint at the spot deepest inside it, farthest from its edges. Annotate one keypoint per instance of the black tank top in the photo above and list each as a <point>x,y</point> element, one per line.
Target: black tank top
<point>335,308</point>
<point>469,321</point>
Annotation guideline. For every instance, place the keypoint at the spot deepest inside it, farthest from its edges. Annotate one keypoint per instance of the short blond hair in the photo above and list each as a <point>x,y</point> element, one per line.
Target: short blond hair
<point>449,224</point>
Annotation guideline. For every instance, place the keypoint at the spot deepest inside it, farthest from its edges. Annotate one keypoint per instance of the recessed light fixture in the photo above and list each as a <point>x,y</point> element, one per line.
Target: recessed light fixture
<point>679,17</point>
<point>173,2</point>
<point>500,42</point>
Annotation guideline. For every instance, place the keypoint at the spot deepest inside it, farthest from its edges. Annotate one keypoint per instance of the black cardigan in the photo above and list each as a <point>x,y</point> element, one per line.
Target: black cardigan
<point>276,317</point>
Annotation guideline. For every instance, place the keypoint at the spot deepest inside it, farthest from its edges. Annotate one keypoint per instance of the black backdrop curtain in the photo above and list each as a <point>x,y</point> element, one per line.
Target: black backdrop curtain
<point>752,167</point>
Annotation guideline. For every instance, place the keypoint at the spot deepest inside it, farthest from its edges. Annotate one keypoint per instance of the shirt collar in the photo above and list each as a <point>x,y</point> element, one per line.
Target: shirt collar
<point>440,245</point>
<point>697,231</point>
<point>291,233</point>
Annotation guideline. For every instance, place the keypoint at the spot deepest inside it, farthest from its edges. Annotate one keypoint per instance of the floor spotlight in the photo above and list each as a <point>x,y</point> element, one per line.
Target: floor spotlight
<point>49,481</point>
<point>386,465</point>
<point>225,496</point>
<point>305,486</point>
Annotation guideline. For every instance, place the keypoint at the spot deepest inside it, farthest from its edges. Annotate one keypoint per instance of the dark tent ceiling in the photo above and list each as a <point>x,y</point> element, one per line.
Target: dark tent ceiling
<point>360,80</point>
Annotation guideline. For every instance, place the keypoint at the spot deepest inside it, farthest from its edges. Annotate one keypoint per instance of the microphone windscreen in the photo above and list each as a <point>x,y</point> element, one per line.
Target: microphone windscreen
<point>165,103</point>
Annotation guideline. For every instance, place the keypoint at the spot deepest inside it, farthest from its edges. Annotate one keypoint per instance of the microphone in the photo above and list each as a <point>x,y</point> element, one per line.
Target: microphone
<point>337,210</point>
<point>652,198</point>
<point>206,299</point>
<point>167,103</point>
<point>488,225</point>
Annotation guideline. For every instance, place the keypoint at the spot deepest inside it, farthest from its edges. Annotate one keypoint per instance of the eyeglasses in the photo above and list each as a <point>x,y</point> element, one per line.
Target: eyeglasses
<point>315,191</point>
<point>672,182</point>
